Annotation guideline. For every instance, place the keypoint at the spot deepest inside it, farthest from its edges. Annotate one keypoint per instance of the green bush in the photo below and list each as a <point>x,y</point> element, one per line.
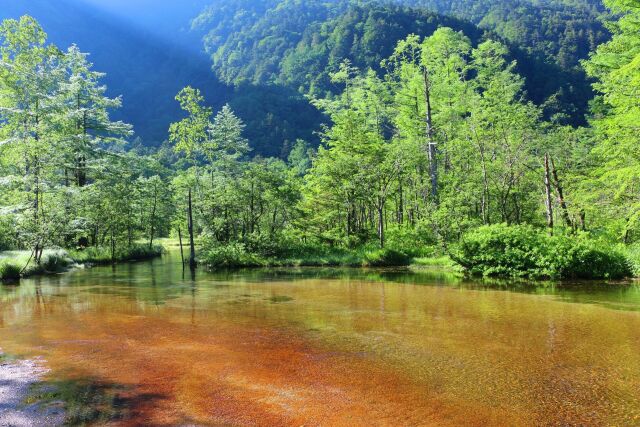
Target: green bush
<point>55,261</point>
<point>417,242</point>
<point>103,255</point>
<point>229,256</point>
<point>523,251</point>
<point>386,258</point>
<point>6,232</point>
<point>9,271</point>
<point>633,257</point>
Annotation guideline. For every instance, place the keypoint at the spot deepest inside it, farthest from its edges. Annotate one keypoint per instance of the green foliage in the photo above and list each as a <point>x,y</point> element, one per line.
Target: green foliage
<point>104,255</point>
<point>6,234</point>
<point>633,256</point>
<point>9,270</point>
<point>523,251</point>
<point>386,258</point>
<point>612,190</point>
<point>299,44</point>
<point>230,256</point>
<point>85,401</point>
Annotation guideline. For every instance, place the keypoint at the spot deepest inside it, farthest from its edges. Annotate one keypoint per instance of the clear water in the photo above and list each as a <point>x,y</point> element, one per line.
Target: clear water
<point>149,345</point>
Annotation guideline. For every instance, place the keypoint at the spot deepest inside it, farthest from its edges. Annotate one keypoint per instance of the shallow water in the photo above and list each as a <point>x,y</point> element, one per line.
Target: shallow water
<point>150,346</point>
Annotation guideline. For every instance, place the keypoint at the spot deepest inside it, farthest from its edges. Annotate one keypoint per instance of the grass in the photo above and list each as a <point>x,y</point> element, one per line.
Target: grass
<point>443,261</point>
<point>102,255</point>
<point>237,256</point>
<point>15,265</point>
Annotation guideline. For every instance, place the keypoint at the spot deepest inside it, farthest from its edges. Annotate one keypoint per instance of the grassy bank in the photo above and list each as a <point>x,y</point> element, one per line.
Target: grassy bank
<point>104,256</point>
<point>237,255</point>
<point>15,265</point>
<point>498,251</point>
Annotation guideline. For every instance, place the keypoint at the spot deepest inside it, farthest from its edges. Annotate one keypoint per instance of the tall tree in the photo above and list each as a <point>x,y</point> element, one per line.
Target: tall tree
<point>616,67</point>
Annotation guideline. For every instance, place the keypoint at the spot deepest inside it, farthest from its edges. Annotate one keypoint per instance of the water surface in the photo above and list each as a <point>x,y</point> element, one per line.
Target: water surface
<point>151,346</point>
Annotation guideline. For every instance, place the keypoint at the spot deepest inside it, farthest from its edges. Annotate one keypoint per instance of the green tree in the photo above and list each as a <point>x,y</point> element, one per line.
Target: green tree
<point>616,120</point>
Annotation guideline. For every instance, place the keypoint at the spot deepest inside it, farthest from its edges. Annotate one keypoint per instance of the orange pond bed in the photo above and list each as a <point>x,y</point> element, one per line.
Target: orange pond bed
<point>339,351</point>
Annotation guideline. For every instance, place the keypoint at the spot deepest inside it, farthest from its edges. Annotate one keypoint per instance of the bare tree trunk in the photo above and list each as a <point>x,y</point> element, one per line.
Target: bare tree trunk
<point>563,203</point>
<point>583,220</point>
<point>113,247</point>
<point>153,217</point>
<point>181,248</point>
<point>401,204</point>
<point>486,218</point>
<point>547,185</point>
<point>381,223</point>
<point>432,148</point>
<point>192,247</point>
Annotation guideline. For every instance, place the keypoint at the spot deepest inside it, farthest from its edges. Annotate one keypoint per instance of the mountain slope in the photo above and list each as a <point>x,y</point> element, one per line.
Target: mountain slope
<point>295,43</point>
<point>146,70</point>
<point>148,57</point>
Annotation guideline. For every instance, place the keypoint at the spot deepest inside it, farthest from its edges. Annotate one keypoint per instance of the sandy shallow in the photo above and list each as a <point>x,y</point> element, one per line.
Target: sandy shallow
<point>15,379</point>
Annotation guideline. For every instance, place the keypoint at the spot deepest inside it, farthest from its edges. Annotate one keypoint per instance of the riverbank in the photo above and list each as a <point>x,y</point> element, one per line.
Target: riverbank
<point>17,377</point>
<point>15,265</point>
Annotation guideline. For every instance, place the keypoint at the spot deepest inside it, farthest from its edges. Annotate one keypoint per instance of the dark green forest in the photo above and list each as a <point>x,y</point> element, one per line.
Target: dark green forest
<point>501,134</point>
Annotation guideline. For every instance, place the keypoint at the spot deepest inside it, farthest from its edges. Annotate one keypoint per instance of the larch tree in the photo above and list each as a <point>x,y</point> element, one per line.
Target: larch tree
<point>616,67</point>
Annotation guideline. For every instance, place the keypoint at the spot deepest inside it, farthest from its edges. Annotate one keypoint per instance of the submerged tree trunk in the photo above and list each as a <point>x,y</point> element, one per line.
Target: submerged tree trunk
<point>192,247</point>
<point>547,186</point>
<point>181,248</point>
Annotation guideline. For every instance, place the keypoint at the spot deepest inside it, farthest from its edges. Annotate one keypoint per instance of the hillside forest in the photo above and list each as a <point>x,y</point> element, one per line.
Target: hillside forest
<point>503,136</point>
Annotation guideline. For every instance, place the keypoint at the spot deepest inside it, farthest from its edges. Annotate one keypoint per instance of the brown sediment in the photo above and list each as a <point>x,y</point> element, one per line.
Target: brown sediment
<point>231,374</point>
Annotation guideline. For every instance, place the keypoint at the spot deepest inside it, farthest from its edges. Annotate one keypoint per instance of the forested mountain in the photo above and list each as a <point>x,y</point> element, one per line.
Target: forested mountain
<point>149,53</point>
<point>268,54</point>
<point>297,44</point>
<point>562,31</point>
<point>142,67</point>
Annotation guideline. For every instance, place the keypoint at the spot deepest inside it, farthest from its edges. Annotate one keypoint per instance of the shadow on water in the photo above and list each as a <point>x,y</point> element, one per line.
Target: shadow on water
<point>89,401</point>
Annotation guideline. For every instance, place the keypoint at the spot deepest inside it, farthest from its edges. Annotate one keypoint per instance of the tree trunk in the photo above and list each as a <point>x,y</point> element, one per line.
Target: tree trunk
<point>563,203</point>
<point>181,248</point>
<point>583,220</point>
<point>381,223</point>
<point>153,217</point>
<point>192,247</point>
<point>547,186</point>
<point>432,148</point>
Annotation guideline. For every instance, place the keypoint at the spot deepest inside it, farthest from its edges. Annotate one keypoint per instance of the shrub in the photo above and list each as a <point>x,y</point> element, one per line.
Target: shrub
<point>633,258</point>
<point>385,258</point>
<point>523,251</point>
<point>230,255</point>
<point>416,242</point>
<point>102,254</point>
<point>55,261</point>
<point>6,232</point>
<point>9,271</point>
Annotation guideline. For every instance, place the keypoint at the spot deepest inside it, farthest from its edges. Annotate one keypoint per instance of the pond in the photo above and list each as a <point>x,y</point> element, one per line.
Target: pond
<point>145,344</point>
